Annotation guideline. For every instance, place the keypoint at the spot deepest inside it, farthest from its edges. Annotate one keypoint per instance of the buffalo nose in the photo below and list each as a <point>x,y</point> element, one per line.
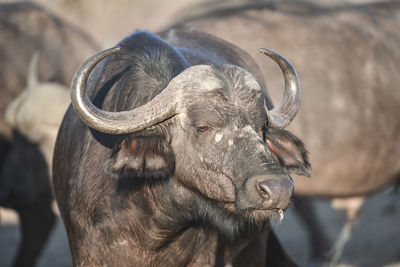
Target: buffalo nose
<point>276,193</point>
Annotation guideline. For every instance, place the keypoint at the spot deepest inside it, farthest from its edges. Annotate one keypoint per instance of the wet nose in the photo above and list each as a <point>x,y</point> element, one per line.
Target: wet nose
<point>276,194</point>
<point>266,193</point>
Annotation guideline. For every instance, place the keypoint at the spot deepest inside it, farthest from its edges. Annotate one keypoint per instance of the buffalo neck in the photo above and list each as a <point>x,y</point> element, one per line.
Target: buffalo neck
<point>151,228</point>
<point>174,227</point>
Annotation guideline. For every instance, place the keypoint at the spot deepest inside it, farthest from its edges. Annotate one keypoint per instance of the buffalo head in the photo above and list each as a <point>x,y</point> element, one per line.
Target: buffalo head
<point>210,130</point>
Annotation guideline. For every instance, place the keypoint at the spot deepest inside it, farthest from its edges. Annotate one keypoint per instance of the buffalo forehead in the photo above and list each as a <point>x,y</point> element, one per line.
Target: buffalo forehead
<point>204,78</point>
<point>218,95</point>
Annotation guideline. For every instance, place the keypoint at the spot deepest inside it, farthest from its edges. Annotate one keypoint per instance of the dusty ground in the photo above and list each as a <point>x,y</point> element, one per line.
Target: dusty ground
<point>375,241</point>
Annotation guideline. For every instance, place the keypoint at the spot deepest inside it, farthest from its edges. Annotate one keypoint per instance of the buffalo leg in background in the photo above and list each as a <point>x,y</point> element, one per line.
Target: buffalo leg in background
<point>4,149</point>
<point>320,244</point>
<point>321,248</point>
<point>275,248</point>
<point>36,222</point>
<point>25,179</point>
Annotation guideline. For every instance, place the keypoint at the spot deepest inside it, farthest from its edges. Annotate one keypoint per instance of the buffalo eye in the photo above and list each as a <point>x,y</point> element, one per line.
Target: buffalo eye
<point>202,129</point>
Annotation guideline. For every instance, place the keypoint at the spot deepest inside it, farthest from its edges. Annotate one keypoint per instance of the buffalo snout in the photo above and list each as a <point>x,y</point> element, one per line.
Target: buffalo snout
<point>265,193</point>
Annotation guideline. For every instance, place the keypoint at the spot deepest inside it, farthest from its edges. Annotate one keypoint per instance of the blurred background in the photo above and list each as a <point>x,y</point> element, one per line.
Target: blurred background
<point>348,59</point>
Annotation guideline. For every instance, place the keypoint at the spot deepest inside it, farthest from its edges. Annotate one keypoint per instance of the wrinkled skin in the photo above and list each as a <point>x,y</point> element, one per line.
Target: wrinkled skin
<point>348,59</point>
<point>187,190</point>
<point>26,28</point>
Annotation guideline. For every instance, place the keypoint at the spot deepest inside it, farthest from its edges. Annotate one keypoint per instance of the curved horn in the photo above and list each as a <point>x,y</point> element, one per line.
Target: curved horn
<point>33,71</point>
<point>162,107</point>
<point>284,113</point>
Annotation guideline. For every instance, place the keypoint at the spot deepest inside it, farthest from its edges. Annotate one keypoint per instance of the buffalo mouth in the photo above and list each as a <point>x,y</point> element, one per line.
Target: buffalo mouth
<point>256,215</point>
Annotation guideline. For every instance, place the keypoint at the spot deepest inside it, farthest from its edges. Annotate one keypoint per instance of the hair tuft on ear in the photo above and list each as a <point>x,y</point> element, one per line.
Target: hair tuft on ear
<point>289,151</point>
<point>142,157</point>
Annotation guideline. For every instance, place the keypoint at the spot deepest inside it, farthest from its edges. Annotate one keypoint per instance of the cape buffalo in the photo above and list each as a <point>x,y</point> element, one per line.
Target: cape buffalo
<point>26,28</point>
<point>348,60</point>
<point>37,112</point>
<point>174,156</point>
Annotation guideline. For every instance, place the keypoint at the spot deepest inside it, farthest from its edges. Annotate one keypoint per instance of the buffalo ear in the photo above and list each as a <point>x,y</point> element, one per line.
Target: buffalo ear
<point>143,157</point>
<point>289,151</point>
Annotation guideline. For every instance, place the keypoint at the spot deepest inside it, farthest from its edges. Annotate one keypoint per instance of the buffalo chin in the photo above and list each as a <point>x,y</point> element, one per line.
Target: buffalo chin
<point>232,223</point>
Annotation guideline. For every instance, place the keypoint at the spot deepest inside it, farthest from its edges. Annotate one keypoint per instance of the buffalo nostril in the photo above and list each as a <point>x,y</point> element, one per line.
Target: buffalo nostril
<point>265,189</point>
<point>276,193</point>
